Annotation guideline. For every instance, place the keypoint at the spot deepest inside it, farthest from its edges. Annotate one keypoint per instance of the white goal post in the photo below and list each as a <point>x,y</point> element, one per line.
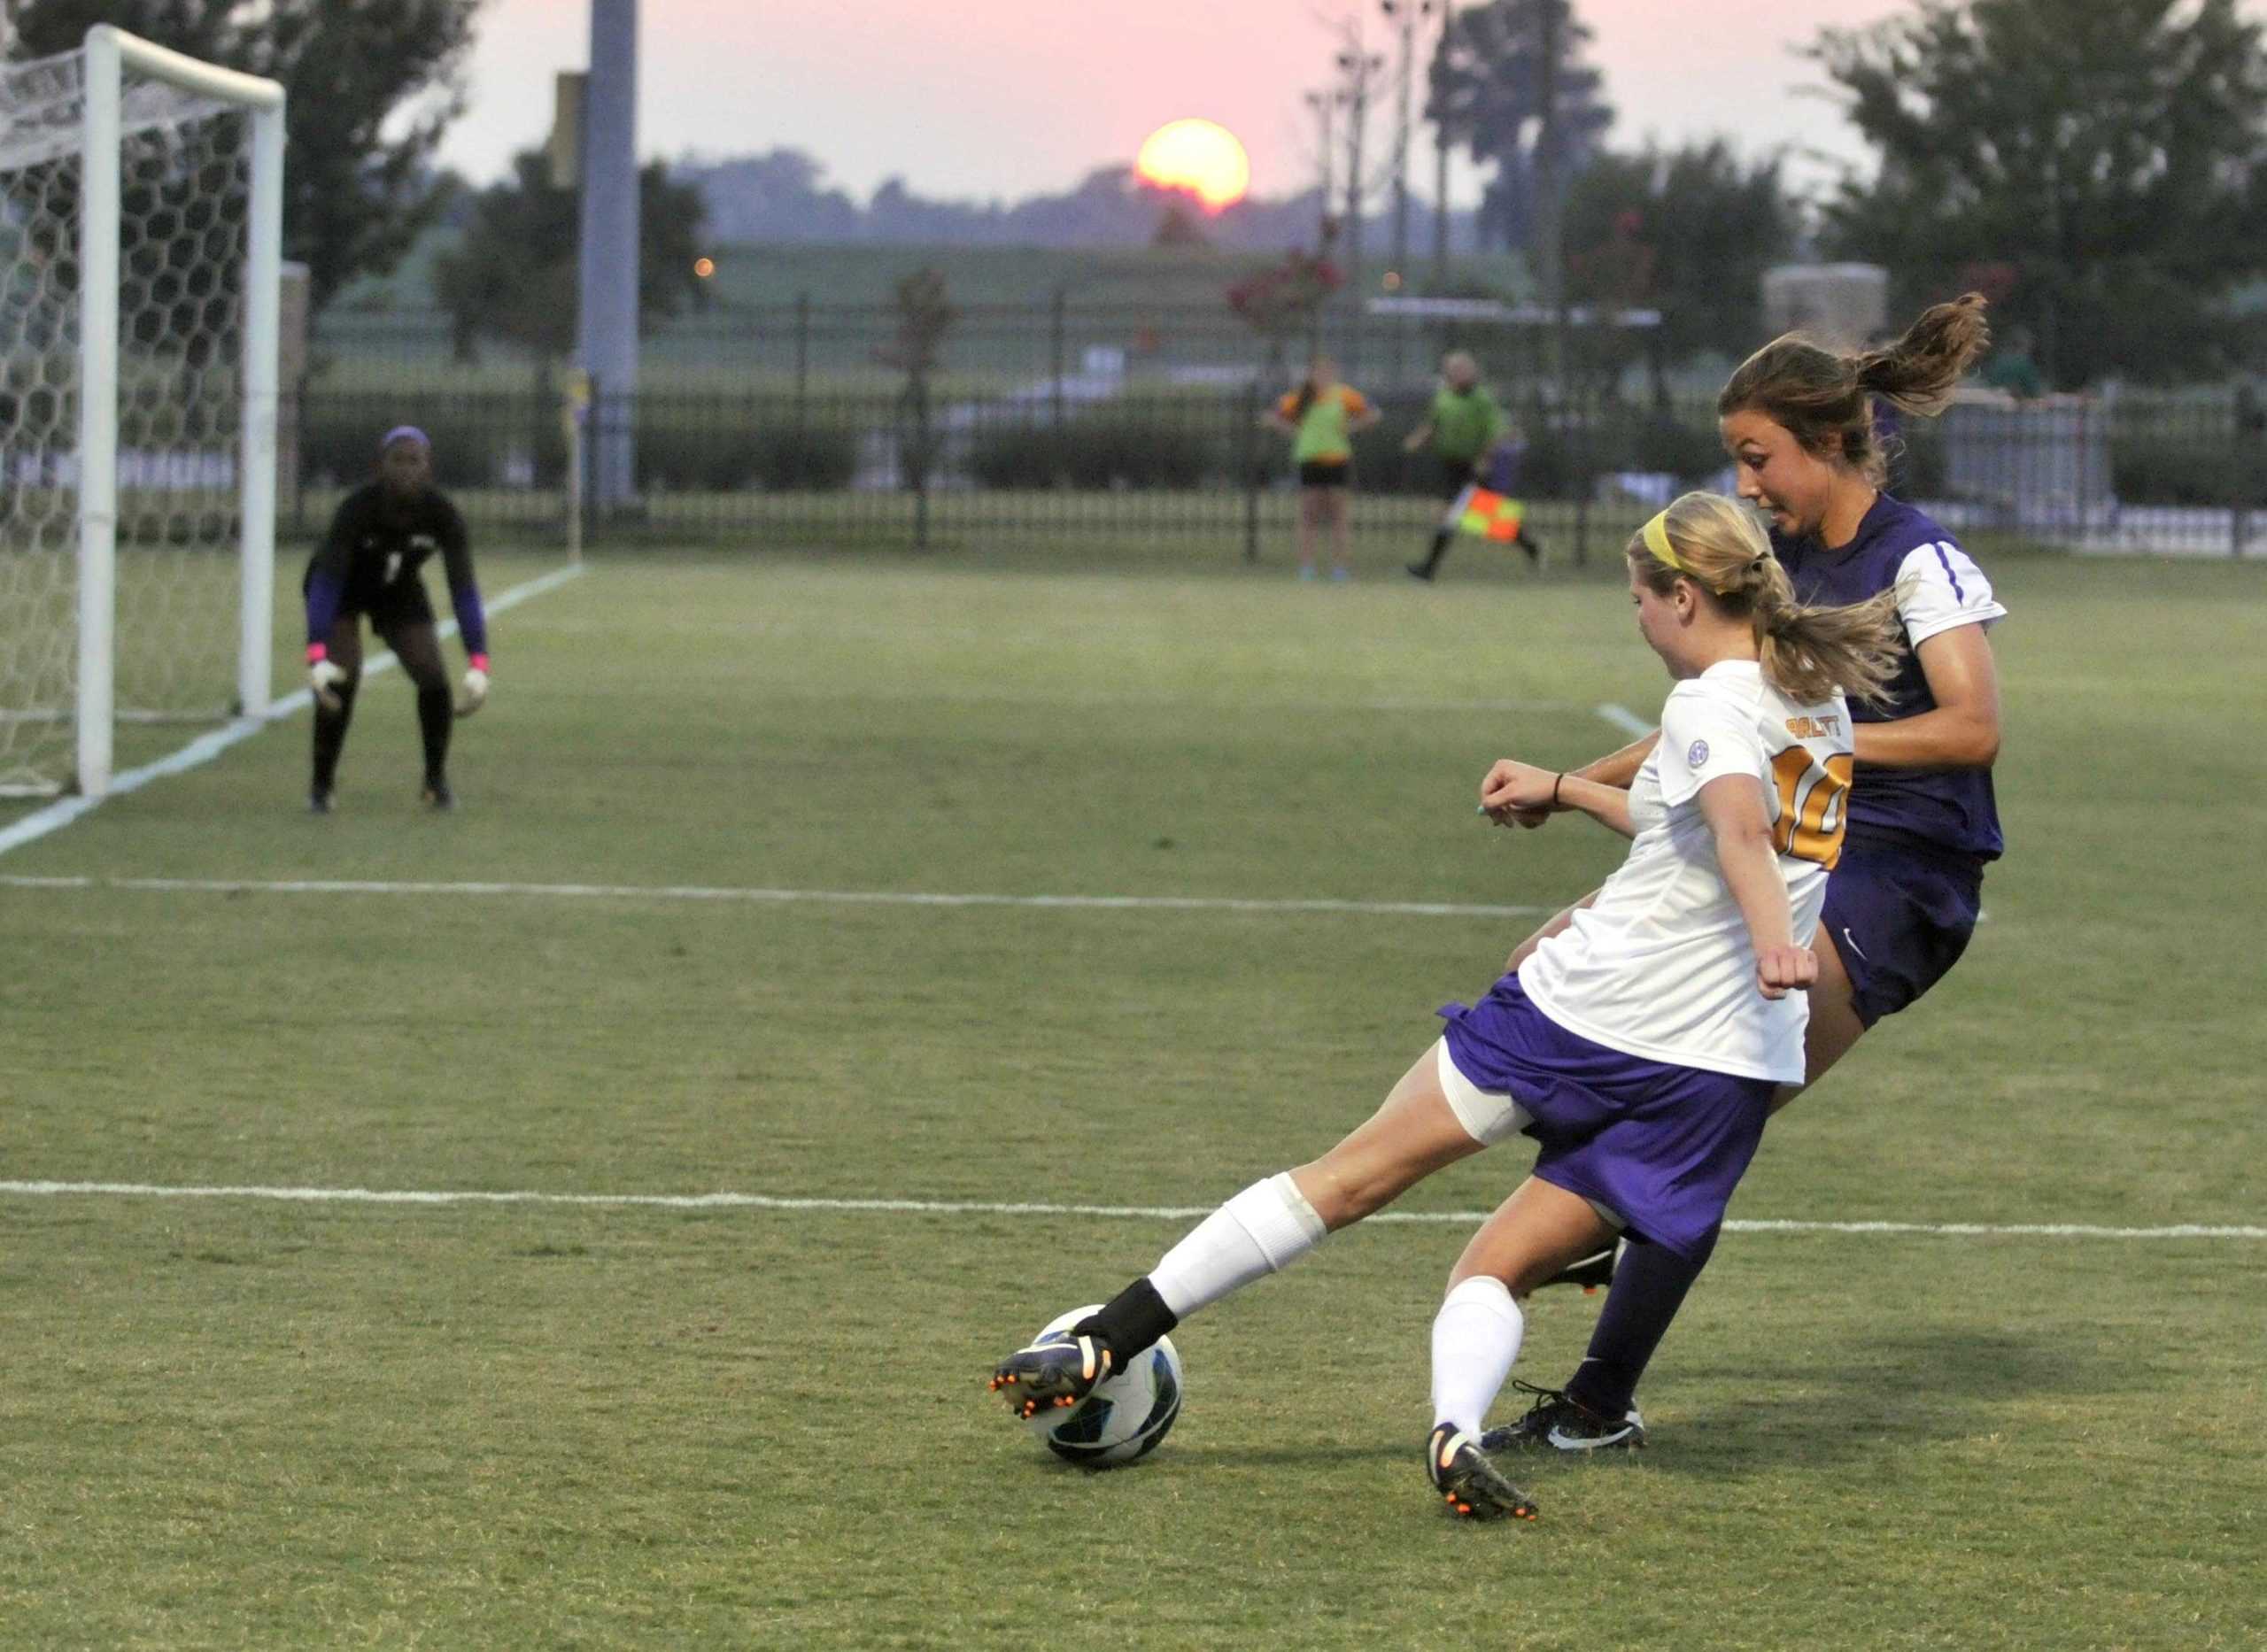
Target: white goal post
<point>141,209</point>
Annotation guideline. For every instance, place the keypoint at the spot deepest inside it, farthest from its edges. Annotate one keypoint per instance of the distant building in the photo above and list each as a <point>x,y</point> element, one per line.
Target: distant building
<point>1843,306</point>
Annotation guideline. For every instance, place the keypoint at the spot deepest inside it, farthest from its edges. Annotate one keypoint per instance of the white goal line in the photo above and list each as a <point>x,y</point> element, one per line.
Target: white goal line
<point>55,816</point>
<point>982,1208</point>
<point>773,897</point>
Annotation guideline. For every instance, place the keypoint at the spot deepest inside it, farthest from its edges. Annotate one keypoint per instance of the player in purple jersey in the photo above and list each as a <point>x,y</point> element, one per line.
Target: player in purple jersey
<point>1798,423</point>
<point>1640,1050</point>
<point>368,564</point>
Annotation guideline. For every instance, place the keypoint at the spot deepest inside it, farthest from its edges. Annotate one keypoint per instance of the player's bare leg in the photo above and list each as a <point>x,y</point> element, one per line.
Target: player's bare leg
<point>1261,1231</point>
<point>1834,1026</point>
<point>1313,502</point>
<point>1413,1133</point>
<point>1342,546</point>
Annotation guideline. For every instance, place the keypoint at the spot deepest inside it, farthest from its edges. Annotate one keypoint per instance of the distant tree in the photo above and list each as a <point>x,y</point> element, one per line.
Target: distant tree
<point>513,277</point>
<point>778,196</point>
<point>1283,303</point>
<point>783,195</point>
<point>2108,157</point>
<point>1487,91</point>
<point>372,86</point>
<point>1688,231</point>
<point>924,316</point>
<point>1182,224</point>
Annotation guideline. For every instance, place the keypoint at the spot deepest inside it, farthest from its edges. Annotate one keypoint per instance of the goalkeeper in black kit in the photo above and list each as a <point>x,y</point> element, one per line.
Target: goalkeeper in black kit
<point>368,564</point>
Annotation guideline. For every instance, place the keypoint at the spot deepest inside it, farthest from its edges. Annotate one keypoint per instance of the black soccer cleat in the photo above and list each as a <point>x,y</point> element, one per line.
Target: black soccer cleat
<point>319,800</point>
<point>1558,1422</point>
<point>437,795</point>
<point>1419,570</point>
<point>1054,1375</point>
<point>1471,1485</point>
<point>1534,549</point>
<point>1591,1272</point>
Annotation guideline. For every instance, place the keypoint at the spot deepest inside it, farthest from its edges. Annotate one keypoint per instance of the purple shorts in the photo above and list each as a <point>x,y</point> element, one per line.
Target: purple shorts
<point>1661,1147</point>
<point>1899,921</point>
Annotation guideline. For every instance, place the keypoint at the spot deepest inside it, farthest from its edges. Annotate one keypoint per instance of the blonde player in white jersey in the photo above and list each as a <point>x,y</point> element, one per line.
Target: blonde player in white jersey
<point>1640,1048</point>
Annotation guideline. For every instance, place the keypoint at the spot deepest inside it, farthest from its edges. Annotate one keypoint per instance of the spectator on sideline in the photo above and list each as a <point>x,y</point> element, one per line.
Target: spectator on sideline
<point>1322,418</point>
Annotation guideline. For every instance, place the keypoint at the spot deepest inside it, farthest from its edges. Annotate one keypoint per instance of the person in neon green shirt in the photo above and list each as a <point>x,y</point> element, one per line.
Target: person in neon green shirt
<point>1475,440</point>
<point>1322,417</point>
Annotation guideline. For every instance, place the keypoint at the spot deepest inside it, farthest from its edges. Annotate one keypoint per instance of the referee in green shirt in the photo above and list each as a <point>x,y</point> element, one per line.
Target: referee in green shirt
<point>1472,439</point>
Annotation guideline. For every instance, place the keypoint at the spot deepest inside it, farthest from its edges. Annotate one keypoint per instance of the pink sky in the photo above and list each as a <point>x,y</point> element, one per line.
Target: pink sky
<point>1008,97</point>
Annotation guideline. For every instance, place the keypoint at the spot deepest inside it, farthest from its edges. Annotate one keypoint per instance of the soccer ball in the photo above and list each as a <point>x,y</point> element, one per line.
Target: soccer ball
<point>1126,1416</point>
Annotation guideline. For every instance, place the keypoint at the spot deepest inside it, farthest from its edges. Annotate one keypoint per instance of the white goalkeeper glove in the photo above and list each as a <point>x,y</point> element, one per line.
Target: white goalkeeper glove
<point>323,678</point>
<point>476,687</point>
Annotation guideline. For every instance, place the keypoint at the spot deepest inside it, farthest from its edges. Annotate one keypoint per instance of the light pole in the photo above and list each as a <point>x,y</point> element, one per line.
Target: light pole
<point>606,337</point>
<point>1440,150</point>
<point>1325,106</point>
<point>1550,251</point>
<point>1404,16</point>
<point>1359,67</point>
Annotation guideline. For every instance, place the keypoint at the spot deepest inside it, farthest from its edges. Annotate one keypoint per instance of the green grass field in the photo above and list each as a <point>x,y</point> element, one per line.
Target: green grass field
<point>236,1420</point>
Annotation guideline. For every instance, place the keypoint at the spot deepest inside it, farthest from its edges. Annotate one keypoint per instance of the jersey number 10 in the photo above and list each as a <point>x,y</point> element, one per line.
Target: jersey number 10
<point>1812,805</point>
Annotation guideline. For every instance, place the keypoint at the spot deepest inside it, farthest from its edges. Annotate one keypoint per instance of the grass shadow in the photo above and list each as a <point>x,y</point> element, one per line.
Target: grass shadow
<point>1882,1394</point>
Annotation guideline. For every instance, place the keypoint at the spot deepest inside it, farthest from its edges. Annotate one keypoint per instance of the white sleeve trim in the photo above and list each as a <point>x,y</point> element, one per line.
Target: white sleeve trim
<point>1940,589</point>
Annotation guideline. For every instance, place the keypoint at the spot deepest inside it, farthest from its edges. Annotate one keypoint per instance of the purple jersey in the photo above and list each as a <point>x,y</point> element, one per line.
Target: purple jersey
<point>1897,548</point>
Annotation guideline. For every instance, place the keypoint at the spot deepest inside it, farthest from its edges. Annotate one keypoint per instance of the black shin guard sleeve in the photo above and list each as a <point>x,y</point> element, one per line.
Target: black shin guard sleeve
<point>1650,1283</point>
<point>330,736</point>
<point>435,715</point>
<point>1131,1321</point>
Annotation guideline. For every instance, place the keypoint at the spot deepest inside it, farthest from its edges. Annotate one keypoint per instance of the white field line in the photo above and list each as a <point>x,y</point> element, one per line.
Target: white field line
<point>773,897</point>
<point>979,1207</point>
<point>55,816</point>
<point>1629,721</point>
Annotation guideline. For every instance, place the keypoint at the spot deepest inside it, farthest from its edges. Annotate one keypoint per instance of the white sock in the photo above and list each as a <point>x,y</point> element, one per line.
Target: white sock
<point>1475,1338</point>
<point>1266,1227</point>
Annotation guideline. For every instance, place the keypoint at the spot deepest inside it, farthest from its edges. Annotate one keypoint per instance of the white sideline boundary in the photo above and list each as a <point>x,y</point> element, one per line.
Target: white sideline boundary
<point>203,749</point>
<point>774,897</point>
<point>980,1208</point>
<point>1629,721</point>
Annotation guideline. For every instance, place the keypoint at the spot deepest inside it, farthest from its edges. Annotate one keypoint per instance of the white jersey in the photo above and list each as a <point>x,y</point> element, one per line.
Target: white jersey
<point>1660,965</point>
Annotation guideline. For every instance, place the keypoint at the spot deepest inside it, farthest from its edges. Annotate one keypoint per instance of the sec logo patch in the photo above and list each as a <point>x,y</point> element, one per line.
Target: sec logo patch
<point>1698,755</point>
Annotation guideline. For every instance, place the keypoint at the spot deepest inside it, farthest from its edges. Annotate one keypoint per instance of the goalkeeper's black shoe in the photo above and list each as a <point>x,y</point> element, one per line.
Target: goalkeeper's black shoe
<point>437,795</point>
<point>1558,1422</point>
<point>1591,1272</point>
<point>1468,1483</point>
<point>319,800</point>
<point>1054,1375</point>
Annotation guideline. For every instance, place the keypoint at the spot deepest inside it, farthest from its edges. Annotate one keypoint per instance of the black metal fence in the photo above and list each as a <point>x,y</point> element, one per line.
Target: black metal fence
<point>1102,456</point>
<point>810,346</point>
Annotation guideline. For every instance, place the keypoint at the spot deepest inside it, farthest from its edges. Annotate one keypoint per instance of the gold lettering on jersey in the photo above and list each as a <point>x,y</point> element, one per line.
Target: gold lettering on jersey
<point>1814,728</point>
<point>1811,798</point>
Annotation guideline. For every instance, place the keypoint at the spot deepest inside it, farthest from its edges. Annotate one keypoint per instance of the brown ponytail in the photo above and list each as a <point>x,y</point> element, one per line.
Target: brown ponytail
<point>1807,653</point>
<point>1825,399</point>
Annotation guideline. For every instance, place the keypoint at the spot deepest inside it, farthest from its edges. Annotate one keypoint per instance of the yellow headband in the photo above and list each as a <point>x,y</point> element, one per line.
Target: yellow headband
<point>1657,541</point>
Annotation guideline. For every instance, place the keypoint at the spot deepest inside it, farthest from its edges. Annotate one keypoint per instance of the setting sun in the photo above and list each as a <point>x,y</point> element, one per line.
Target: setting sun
<point>1197,155</point>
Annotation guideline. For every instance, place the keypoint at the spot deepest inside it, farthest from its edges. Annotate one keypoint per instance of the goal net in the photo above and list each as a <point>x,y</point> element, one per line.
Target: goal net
<point>139,228</point>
